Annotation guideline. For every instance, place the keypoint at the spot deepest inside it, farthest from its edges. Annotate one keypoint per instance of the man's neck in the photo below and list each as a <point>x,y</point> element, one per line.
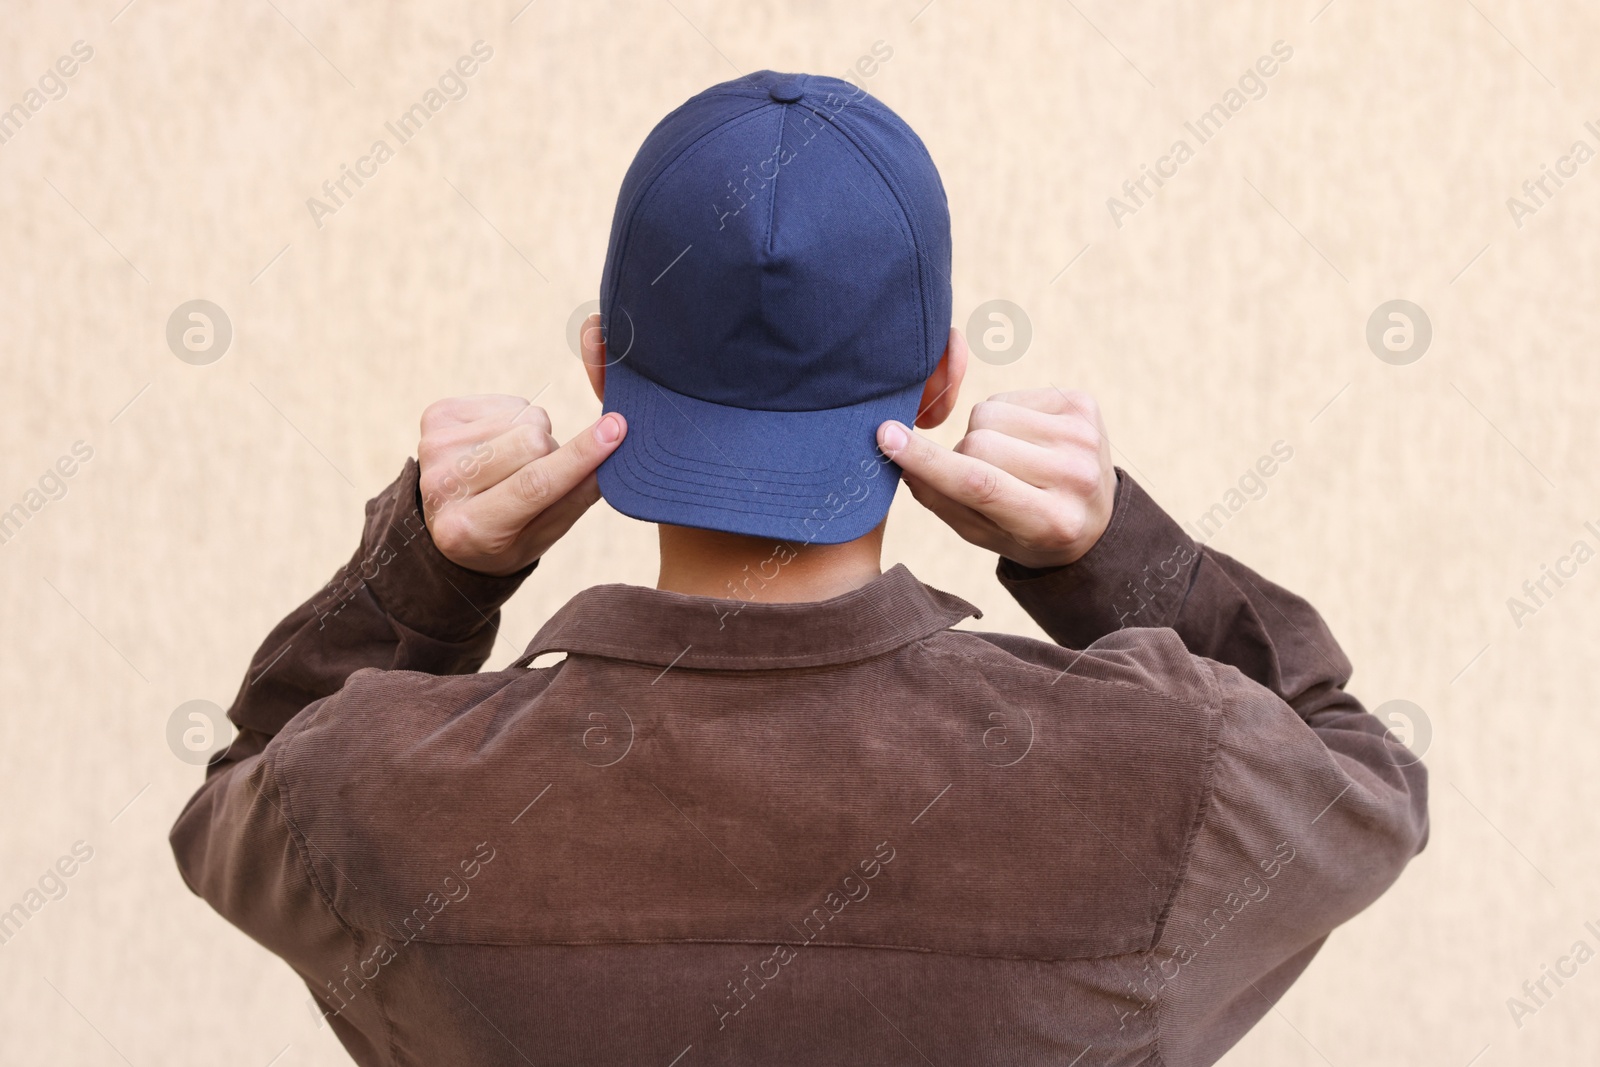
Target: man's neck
<point>756,569</point>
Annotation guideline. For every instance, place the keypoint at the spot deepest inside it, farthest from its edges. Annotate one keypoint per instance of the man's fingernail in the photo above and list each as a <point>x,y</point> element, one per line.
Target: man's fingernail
<point>608,430</point>
<point>892,437</point>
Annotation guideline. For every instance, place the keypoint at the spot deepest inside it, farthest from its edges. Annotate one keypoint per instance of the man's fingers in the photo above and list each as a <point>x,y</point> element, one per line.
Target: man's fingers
<point>1040,466</point>
<point>457,437</point>
<point>960,518</point>
<point>528,415</point>
<point>1032,479</point>
<point>980,486</point>
<point>548,527</point>
<point>1031,424</point>
<point>536,485</point>
<point>454,410</point>
<point>503,456</point>
<point>1056,402</point>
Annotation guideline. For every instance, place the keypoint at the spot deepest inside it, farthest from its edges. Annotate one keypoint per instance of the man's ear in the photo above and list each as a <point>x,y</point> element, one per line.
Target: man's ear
<point>939,395</point>
<point>591,342</point>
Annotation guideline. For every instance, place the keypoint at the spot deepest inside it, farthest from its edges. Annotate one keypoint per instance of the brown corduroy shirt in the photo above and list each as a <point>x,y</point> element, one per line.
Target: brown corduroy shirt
<point>828,833</point>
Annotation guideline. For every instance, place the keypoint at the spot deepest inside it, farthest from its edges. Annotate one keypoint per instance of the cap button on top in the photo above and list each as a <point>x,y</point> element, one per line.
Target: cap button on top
<point>787,91</point>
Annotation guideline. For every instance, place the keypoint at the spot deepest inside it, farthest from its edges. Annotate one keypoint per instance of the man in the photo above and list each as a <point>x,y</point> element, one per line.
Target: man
<point>777,810</point>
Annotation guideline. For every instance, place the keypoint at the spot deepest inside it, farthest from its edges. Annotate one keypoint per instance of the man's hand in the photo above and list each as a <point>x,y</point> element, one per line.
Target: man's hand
<point>497,492</point>
<point>1031,480</point>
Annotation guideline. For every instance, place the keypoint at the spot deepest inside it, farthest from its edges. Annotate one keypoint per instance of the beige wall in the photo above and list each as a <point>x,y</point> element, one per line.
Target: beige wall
<point>1220,317</point>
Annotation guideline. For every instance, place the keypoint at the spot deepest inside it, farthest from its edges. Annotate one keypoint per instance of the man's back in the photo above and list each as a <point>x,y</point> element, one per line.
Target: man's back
<point>834,832</point>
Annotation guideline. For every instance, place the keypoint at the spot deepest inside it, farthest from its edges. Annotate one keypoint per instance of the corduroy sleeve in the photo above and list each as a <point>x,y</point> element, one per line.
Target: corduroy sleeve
<point>398,604</point>
<point>1313,808</point>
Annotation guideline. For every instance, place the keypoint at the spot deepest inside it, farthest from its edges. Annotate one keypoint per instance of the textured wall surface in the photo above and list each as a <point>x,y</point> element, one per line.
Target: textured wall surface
<point>1215,316</point>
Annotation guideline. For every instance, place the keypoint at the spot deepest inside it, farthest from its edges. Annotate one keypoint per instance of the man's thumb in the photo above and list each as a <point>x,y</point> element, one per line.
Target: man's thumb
<point>901,446</point>
<point>574,461</point>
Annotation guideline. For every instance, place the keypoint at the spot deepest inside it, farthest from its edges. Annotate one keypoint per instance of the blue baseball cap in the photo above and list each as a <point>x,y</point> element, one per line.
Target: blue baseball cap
<point>777,284</point>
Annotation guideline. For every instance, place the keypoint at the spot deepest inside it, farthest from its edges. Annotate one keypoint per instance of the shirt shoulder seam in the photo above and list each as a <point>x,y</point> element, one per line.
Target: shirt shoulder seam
<point>354,933</point>
<point>1041,669</point>
<point>1210,747</point>
<point>1213,741</point>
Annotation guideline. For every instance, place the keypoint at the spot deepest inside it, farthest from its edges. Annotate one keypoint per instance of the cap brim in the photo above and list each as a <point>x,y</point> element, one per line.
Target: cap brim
<point>813,477</point>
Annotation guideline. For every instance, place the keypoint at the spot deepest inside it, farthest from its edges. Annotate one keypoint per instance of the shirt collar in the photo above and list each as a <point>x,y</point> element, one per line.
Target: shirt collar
<point>631,622</point>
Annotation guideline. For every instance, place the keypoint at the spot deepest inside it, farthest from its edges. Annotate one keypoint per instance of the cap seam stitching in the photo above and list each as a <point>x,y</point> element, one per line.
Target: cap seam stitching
<point>918,253</point>
<point>641,199</point>
<point>772,194</point>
